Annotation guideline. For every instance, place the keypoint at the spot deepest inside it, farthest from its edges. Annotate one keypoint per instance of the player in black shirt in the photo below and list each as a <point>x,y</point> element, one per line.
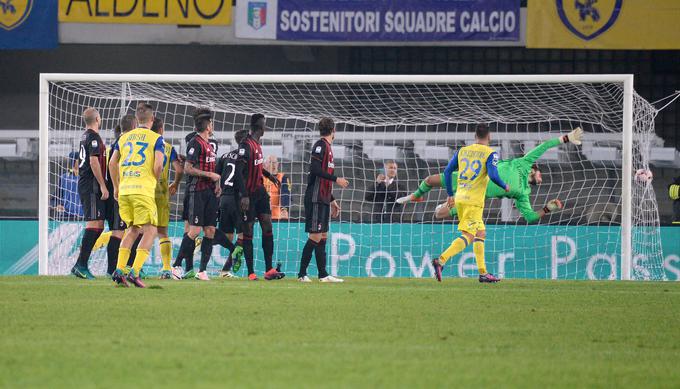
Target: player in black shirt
<point>320,204</point>
<point>200,205</point>
<point>91,188</point>
<point>254,198</point>
<point>229,215</point>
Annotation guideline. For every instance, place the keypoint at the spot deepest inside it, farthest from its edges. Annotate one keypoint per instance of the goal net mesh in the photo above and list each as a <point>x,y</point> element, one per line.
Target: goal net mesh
<point>418,126</point>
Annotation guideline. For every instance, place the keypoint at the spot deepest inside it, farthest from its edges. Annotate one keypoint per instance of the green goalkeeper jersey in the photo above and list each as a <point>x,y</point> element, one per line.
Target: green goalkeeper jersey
<point>515,172</point>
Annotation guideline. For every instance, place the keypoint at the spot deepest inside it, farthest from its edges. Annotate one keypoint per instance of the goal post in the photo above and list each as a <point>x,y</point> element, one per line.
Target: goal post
<point>414,110</point>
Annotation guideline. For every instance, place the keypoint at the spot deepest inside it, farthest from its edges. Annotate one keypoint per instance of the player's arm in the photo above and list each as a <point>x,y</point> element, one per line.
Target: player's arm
<point>271,178</point>
<point>317,170</point>
<point>450,168</point>
<point>113,170</point>
<point>179,172</point>
<point>192,160</point>
<point>241,175</point>
<point>536,153</point>
<point>492,171</point>
<point>159,149</point>
<point>96,168</point>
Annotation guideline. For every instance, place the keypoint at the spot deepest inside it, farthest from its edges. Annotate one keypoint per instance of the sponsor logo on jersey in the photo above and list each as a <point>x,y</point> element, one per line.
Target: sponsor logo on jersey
<point>331,165</point>
<point>259,161</point>
<point>191,151</point>
<point>318,149</point>
<point>241,151</point>
<point>95,143</point>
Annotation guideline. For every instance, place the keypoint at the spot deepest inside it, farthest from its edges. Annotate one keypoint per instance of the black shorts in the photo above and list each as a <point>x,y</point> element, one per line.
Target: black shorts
<point>259,205</point>
<point>112,216</point>
<point>230,214</point>
<point>201,208</point>
<point>317,217</point>
<point>94,208</point>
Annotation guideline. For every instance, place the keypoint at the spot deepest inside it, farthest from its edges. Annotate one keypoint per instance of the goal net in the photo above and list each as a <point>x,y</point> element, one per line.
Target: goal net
<point>608,229</point>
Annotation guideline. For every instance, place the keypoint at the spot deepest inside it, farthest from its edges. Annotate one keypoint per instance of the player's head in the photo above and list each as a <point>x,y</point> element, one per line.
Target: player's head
<point>240,136</point>
<point>257,124</point>
<point>127,123</point>
<point>203,120</point>
<point>390,167</point>
<point>482,133</point>
<point>535,176</point>
<point>91,118</point>
<point>157,126</point>
<point>327,127</point>
<point>144,114</point>
<point>272,164</point>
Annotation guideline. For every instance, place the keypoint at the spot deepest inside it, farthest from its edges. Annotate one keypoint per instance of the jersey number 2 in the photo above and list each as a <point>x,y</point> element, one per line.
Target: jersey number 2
<point>142,147</point>
<point>232,170</point>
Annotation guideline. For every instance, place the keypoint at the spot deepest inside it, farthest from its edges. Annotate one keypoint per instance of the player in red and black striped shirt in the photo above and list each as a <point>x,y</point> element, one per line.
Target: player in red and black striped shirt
<point>320,204</point>
<point>91,189</point>
<point>200,204</point>
<point>254,198</point>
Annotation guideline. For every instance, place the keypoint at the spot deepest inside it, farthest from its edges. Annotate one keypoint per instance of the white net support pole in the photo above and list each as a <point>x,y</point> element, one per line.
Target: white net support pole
<point>627,178</point>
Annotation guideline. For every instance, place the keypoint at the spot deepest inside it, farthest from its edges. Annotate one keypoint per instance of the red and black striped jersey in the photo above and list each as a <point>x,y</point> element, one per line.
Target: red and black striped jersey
<point>251,158</point>
<point>320,179</point>
<point>91,145</point>
<point>202,156</point>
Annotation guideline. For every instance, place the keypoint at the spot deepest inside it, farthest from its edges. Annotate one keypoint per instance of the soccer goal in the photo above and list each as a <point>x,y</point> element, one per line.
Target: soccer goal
<point>608,229</point>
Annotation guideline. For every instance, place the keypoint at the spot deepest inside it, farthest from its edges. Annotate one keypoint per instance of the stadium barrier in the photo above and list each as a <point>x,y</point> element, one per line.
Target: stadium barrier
<point>355,252</point>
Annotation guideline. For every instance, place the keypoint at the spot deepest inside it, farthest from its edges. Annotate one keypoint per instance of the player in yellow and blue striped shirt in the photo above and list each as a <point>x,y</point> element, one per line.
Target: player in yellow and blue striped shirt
<point>476,164</point>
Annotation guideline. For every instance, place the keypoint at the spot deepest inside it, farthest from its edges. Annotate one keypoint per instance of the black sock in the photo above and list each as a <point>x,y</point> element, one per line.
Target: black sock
<point>206,252</point>
<point>223,240</point>
<point>248,252</point>
<point>133,250</point>
<point>228,263</point>
<point>186,251</point>
<point>321,258</point>
<point>89,238</point>
<point>112,254</point>
<point>268,249</point>
<point>306,257</point>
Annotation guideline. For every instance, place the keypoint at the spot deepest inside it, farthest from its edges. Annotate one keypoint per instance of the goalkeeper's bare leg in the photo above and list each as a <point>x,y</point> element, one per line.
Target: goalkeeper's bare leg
<point>432,181</point>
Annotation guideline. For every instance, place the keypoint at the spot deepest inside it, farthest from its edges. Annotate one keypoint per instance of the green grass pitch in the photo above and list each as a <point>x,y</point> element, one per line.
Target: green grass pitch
<point>63,332</point>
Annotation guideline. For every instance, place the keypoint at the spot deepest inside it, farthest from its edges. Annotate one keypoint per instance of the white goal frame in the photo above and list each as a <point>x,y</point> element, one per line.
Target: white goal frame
<point>627,149</point>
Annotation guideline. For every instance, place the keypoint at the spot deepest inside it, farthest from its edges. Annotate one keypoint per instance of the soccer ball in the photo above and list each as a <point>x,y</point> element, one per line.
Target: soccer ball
<point>643,176</point>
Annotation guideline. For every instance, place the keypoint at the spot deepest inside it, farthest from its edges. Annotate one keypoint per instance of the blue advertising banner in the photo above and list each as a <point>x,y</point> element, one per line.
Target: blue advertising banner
<point>28,24</point>
<point>398,20</point>
<point>391,250</point>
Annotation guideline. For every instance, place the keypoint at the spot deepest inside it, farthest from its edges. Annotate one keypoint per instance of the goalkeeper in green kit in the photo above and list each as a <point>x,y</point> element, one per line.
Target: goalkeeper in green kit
<point>519,173</point>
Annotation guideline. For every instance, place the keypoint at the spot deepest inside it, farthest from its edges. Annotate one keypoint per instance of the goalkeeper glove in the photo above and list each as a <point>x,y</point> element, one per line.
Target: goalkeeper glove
<point>674,191</point>
<point>552,206</point>
<point>573,137</point>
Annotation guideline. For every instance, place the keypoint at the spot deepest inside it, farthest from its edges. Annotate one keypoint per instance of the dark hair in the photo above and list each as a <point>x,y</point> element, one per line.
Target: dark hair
<point>202,118</point>
<point>127,123</point>
<point>117,131</point>
<point>389,162</point>
<point>326,126</point>
<point>535,167</point>
<point>157,125</point>
<point>481,131</point>
<point>144,112</point>
<point>257,122</point>
<point>240,136</point>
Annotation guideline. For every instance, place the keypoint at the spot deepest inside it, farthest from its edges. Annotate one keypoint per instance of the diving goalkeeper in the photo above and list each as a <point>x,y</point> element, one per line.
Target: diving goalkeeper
<point>519,173</point>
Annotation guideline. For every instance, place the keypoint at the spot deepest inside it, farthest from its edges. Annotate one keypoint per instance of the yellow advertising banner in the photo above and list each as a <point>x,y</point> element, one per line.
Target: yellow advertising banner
<point>185,12</point>
<point>604,24</point>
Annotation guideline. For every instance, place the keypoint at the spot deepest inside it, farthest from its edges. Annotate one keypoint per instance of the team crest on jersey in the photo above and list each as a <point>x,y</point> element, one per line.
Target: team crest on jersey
<point>14,12</point>
<point>318,149</point>
<point>588,19</point>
